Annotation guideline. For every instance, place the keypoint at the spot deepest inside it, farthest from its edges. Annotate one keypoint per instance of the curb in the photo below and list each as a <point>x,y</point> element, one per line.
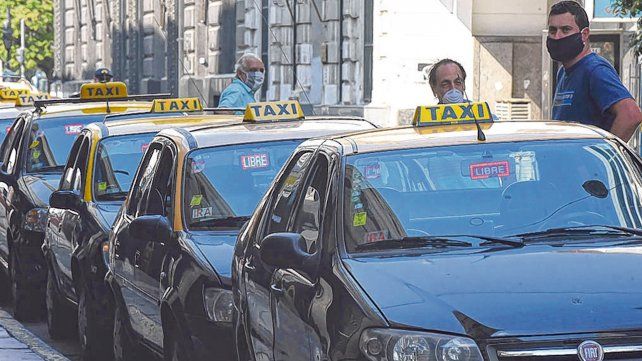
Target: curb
<point>20,333</point>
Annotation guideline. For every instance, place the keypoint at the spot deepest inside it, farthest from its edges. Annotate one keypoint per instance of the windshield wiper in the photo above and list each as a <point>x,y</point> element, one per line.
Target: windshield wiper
<point>583,231</point>
<point>489,240</point>
<point>221,222</point>
<point>413,242</point>
<point>51,168</point>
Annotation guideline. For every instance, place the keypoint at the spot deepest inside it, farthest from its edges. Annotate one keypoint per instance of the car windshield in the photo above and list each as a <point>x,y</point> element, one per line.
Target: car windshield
<point>492,189</point>
<point>50,140</point>
<point>117,159</point>
<point>223,185</point>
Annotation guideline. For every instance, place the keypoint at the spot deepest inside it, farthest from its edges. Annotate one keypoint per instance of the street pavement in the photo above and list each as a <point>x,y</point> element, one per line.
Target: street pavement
<point>18,343</point>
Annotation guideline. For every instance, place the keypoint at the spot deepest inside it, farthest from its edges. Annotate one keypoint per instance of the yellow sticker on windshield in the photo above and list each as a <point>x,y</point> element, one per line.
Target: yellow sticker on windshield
<point>102,186</point>
<point>196,200</point>
<point>34,144</point>
<point>35,154</point>
<point>359,219</point>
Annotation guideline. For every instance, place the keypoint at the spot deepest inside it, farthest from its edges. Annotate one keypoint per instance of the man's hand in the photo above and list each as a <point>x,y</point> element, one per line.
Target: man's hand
<point>627,118</point>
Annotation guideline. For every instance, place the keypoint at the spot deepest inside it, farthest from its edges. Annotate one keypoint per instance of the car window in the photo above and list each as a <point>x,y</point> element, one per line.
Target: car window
<point>116,161</point>
<point>286,195</point>
<point>224,184</point>
<point>68,172</point>
<point>51,138</point>
<point>143,177</point>
<point>499,189</point>
<point>5,127</point>
<point>157,198</point>
<point>11,146</point>
<point>80,167</point>
<point>307,221</point>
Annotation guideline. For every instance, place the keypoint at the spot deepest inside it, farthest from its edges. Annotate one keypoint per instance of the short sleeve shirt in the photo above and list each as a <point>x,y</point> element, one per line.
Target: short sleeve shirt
<point>236,95</point>
<point>586,91</point>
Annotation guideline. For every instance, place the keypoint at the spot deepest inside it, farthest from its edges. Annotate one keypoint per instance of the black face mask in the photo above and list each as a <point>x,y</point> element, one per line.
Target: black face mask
<point>566,48</point>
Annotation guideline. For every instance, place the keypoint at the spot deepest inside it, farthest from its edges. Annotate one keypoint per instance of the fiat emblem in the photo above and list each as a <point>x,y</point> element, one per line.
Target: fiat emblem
<point>590,351</point>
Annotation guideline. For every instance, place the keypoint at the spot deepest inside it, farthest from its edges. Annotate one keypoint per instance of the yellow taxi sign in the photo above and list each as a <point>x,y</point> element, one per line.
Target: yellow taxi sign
<point>444,114</point>
<point>266,111</point>
<point>25,100</point>
<point>12,94</point>
<point>107,90</point>
<point>176,105</point>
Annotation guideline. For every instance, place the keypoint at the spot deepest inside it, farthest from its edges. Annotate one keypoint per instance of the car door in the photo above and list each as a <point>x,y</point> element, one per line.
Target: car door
<point>63,223</point>
<point>293,292</point>
<point>257,275</point>
<point>10,154</point>
<point>150,254</point>
<point>125,247</point>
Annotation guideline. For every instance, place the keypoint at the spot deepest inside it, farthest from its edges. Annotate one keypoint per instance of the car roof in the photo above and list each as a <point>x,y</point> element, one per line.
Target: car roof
<point>160,122</point>
<point>12,112</point>
<point>407,137</point>
<point>94,108</point>
<point>250,132</point>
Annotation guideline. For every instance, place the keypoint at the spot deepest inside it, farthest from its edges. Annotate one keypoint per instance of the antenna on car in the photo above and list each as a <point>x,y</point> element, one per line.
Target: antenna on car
<point>480,133</point>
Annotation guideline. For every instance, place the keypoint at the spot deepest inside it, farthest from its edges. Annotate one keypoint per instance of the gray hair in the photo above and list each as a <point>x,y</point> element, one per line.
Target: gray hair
<point>242,62</point>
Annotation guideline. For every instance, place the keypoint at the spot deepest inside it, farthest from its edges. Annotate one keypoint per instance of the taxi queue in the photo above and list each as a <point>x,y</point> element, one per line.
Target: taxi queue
<point>150,225</point>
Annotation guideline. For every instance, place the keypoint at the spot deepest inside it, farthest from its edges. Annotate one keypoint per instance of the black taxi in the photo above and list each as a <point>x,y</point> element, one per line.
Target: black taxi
<point>171,244</point>
<point>453,239</point>
<point>32,158</point>
<point>95,182</point>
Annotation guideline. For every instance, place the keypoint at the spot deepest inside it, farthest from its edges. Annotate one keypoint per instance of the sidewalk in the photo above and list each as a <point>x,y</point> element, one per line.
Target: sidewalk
<point>18,344</point>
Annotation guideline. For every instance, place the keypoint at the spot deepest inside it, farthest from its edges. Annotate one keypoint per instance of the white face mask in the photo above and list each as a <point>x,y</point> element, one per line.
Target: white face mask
<point>454,95</point>
<point>254,80</point>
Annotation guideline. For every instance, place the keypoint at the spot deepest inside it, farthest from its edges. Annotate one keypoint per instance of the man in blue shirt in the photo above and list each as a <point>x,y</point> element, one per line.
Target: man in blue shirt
<point>588,89</point>
<point>249,79</point>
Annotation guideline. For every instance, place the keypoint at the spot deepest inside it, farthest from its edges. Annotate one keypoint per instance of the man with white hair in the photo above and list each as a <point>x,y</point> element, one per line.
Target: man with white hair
<point>250,74</point>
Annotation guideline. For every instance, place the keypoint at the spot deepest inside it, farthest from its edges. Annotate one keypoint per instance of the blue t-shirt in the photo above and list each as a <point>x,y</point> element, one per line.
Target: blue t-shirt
<point>586,91</point>
<point>236,95</point>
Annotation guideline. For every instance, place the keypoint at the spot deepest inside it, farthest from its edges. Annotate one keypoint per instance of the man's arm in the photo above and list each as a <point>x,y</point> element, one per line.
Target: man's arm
<point>627,118</point>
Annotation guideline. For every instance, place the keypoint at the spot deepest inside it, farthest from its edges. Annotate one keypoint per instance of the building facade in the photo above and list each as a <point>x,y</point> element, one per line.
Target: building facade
<point>361,57</point>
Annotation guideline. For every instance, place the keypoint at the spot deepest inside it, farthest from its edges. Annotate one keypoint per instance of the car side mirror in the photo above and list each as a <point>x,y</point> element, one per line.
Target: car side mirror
<point>152,228</point>
<point>65,200</point>
<point>288,250</point>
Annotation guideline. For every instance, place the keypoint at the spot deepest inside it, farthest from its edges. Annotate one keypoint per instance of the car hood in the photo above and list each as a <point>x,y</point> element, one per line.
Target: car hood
<point>218,249</point>
<point>40,186</point>
<point>537,290</point>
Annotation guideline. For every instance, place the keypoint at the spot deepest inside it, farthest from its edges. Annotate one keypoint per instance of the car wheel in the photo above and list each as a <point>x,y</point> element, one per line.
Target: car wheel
<point>26,303</point>
<point>94,332</point>
<point>125,347</point>
<point>59,316</point>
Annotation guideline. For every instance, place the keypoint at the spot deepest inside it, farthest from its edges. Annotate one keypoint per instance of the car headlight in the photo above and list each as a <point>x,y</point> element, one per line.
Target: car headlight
<point>379,344</point>
<point>36,220</point>
<point>218,304</point>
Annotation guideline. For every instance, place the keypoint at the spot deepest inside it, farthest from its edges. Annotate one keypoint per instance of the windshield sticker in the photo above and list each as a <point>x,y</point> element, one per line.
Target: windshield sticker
<point>489,169</point>
<point>8,129</point>
<point>73,129</point>
<point>102,186</point>
<point>375,236</point>
<point>198,165</point>
<point>202,212</point>
<point>35,154</point>
<point>359,219</point>
<point>372,171</point>
<point>255,161</point>
<point>196,200</point>
<point>144,147</point>
<point>34,144</point>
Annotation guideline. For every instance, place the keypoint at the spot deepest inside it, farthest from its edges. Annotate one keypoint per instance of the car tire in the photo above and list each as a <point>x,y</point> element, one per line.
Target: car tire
<point>125,348</point>
<point>59,316</point>
<point>27,306</point>
<point>95,335</point>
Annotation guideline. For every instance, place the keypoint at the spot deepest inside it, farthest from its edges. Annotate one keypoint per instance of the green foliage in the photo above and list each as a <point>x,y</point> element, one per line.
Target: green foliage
<point>38,15</point>
<point>631,8</point>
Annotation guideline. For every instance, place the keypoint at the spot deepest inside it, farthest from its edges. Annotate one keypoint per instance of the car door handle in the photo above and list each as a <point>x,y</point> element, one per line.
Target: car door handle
<point>136,258</point>
<point>278,291</point>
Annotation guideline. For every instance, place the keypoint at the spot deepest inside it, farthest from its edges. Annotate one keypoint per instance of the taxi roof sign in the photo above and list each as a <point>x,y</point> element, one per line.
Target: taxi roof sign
<point>25,100</point>
<point>176,105</point>
<point>12,94</point>
<point>459,113</point>
<point>100,91</point>
<point>271,111</point>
